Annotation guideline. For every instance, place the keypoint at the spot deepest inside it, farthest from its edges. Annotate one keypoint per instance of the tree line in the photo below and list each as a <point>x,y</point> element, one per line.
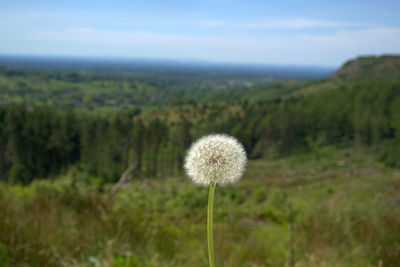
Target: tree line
<point>43,141</point>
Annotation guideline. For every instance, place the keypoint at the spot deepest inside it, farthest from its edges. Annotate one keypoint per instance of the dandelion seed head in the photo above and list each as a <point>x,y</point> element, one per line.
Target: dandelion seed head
<point>216,158</point>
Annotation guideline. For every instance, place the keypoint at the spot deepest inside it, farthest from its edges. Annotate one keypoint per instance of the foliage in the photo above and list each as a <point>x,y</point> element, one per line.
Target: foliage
<point>41,140</point>
<point>345,209</point>
<point>61,147</point>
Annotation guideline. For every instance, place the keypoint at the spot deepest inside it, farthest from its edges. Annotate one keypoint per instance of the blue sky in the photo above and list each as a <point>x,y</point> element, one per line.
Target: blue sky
<point>273,32</point>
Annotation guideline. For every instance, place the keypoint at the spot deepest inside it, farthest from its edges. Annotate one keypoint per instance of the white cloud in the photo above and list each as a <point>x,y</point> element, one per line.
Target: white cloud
<point>300,23</point>
<point>288,23</point>
<point>321,49</point>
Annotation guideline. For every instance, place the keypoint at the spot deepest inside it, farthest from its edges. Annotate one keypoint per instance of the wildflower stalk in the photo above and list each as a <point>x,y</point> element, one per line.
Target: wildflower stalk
<point>210,237</point>
<point>216,159</point>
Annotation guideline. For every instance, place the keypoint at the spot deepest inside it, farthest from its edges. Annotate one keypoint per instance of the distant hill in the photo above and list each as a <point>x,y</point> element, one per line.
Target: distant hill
<point>362,70</point>
<point>370,68</point>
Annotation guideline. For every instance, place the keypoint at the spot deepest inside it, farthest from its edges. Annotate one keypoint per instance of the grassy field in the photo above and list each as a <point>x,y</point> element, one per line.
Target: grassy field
<point>337,207</point>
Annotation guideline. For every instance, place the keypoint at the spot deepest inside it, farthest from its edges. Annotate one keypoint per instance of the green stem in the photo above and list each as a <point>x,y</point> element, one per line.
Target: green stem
<point>210,225</point>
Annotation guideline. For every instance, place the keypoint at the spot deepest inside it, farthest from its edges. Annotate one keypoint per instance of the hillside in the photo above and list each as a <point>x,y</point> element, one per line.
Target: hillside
<point>91,86</point>
<point>321,188</point>
<point>285,118</point>
<point>361,70</point>
<point>371,68</point>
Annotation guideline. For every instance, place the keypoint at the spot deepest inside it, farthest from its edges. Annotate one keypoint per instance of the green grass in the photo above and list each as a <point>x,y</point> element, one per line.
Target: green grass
<point>345,211</point>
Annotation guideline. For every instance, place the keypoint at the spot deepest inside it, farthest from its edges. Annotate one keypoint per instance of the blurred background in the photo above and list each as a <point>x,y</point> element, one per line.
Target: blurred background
<point>99,102</point>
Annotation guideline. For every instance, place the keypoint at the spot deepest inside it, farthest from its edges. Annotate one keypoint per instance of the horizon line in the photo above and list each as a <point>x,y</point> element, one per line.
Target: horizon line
<point>172,60</point>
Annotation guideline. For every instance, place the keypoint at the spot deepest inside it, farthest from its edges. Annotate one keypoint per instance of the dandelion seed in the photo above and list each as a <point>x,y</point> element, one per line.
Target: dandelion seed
<point>216,159</point>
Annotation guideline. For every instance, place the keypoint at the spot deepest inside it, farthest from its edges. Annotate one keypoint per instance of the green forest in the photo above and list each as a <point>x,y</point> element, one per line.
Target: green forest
<point>322,186</point>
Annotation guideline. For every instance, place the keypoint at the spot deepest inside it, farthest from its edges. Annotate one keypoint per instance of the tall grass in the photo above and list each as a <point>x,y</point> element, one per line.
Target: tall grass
<point>345,212</point>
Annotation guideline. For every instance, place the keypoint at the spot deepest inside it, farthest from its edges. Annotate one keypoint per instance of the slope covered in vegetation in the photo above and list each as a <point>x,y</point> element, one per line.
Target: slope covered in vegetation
<point>341,208</point>
<point>367,69</point>
<point>39,141</point>
<point>321,188</point>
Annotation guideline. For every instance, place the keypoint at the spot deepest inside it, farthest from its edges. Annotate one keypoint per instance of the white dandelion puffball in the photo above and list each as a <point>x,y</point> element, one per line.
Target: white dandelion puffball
<point>215,159</point>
